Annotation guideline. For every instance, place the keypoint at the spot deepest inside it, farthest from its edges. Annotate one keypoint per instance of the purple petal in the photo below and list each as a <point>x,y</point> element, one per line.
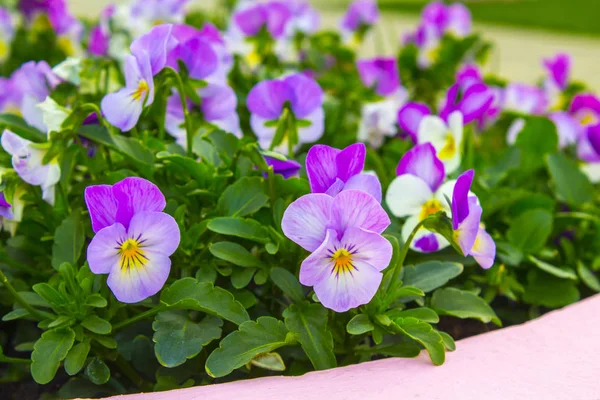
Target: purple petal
<point>218,101</point>
<point>367,247</point>
<point>466,233</point>
<point>122,108</point>
<point>459,20</point>
<point>13,144</point>
<point>427,243</point>
<point>335,188</point>
<point>157,232</point>
<point>286,168</point>
<point>211,33</point>
<point>410,116</point>
<point>484,249</point>
<point>101,205</point>
<point>157,44</point>
<point>382,72</point>
<point>251,19</point>
<point>360,12</point>
<point>526,99</point>
<point>306,94</point>
<point>198,55</point>
<point>98,41</point>
<point>351,161</point>
<point>321,167</point>
<point>559,69</point>
<point>367,183</point>
<point>319,264</point>
<point>475,102</point>
<point>567,127</point>
<point>436,14</point>
<point>3,202</point>
<point>468,74</point>
<point>593,134</point>
<point>278,15</point>
<point>266,99</point>
<point>305,220</point>
<point>586,108</point>
<point>102,253</point>
<point>422,161</point>
<point>183,33</point>
<point>354,208</point>
<point>460,198</point>
<point>135,195</point>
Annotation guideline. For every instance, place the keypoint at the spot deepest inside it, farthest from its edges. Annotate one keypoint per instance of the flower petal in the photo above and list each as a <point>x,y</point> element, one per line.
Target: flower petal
<point>13,143</point>
<point>157,44</point>
<point>218,101</point>
<point>321,167</point>
<point>306,94</point>
<point>460,198</point>
<point>122,109</point>
<point>421,161</point>
<point>157,232</point>
<point>367,247</point>
<point>101,205</point>
<point>102,253</point>
<point>467,231</point>
<point>354,208</point>
<point>407,194</point>
<point>305,220</point>
<point>484,249</point>
<point>367,183</point>
<point>134,195</point>
<point>410,116</point>
<point>266,99</point>
<point>313,132</point>
<point>317,265</point>
<point>351,161</point>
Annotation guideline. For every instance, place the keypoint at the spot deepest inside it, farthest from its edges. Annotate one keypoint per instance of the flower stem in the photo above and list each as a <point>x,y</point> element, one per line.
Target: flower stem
<point>14,360</point>
<point>148,313</point>
<point>402,256</point>
<point>32,311</point>
<point>186,115</point>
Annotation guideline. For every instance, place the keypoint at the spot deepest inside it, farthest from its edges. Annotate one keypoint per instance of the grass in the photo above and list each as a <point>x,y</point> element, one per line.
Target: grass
<point>573,16</point>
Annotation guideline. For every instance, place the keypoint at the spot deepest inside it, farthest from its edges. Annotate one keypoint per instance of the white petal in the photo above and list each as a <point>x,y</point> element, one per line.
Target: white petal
<point>407,194</point>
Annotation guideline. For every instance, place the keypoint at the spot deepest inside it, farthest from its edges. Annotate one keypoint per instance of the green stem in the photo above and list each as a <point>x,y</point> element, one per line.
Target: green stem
<point>146,314</point>
<point>14,360</point>
<point>403,254</point>
<point>32,311</point>
<point>186,115</point>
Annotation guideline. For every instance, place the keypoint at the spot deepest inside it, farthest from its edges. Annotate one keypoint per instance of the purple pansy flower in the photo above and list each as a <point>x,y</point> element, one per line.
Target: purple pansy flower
<point>7,32</point>
<point>343,233</point>
<point>586,109</point>
<point>428,40</point>
<point>69,31</point>
<point>525,99</point>
<point>99,40</point>
<point>419,191</point>
<point>466,223</point>
<point>558,69</point>
<point>454,19</point>
<point>266,103</point>
<point>5,208</point>
<point>360,13</point>
<point>380,73</point>
<point>285,168</point>
<point>218,107</point>
<point>331,170</point>
<point>304,18</point>
<point>198,56</point>
<point>472,99</point>
<point>152,12</point>
<point>410,117</point>
<point>134,238</point>
<point>27,161</point>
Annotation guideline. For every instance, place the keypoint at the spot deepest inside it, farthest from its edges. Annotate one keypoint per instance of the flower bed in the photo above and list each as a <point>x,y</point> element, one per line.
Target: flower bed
<point>190,199</point>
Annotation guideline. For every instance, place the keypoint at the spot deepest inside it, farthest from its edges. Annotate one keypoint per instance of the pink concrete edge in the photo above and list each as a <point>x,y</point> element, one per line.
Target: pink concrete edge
<point>553,357</point>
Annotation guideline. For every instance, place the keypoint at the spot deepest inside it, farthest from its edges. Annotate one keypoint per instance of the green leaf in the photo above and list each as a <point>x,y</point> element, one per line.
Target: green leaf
<point>588,277</point>
<point>97,372</point>
<point>196,170</point>
<point>130,147</point>
<point>235,254</point>
<point>18,125</point>
<point>270,361</point>
<point>15,314</point>
<point>241,277</point>
<point>48,352</point>
<point>462,304</point>
<point>537,138</point>
<point>563,273</point>
<point>423,314</point>
<point>359,324</point>
<point>96,300</point>
<point>189,294</point>
<point>309,323</point>
<point>241,227</point>
<point>423,333</point>
<point>244,197</point>
<point>96,324</point>
<point>76,357</point>
<point>69,238</point>
<point>288,283</point>
<point>530,231</point>
<point>546,290</point>
<point>431,274</point>
<point>448,341</point>
<point>51,295</point>
<point>406,349</point>
<point>240,347</point>
<point>178,339</point>
<point>570,184</point>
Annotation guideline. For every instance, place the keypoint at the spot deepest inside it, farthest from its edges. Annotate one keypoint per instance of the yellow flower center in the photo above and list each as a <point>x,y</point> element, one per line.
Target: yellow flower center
<point>429,208</point>
<point>449,148</point>
<point>66,45</point>
<point>432,54</point>
<point>342,262</point>
<point>253,59</point>
<point>141,90</point>
<point>4,49</point>
<point>588,118</point>
<point>132,255</point>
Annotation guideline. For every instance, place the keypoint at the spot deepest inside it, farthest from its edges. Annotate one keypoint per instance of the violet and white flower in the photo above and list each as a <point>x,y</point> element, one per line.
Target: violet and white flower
<point>301,95</point>
<point>7,33</point>
<point>27,161</point>
<point>428,41</point>
<point>525,99</point>
<point>472,99</point>
<point>419,191</point>
<point>359,17</point>
<point>304,18</point>
<point>445,137</point>
<point>378,118</point>
<point>471,237</point>
<point>284,167</point>
<point>586,109</point>
<point>134,238</point>
<point>332,171</point>
<point>453,19</point>
<point>558,70</point>
<point>343,233</point>
<point>410,117</point>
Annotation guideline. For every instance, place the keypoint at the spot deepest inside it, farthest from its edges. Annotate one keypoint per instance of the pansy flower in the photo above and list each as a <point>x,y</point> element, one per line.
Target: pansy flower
<point>469,234</point>
<point>331,170</point>
<point>472,99</point>
<point>524,99</point>
<point>195,52</point>
<point>419,191</point>
<point>453,19</point>
<point>284,167</point>
<point>378,118</point>
<point>410,117</point>
<point>343,233</point>
<point>304,18</point>
<point>134,238</point>
<point>7,32</point>
<point>586,109</point>
<point>99,39</point>
<point>68,29</point>
<point>11,208</point>
<point>445,136</point>
<point>428,41</point>
<point>301,95</point>
<point>558,70</point>
<point>27,161</point>
<point>360,16</point>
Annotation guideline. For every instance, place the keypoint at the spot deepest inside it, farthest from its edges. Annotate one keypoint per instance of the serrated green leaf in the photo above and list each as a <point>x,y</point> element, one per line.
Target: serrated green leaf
<point>244,197</point>
<point>431,274</point>
<point>76,358</point>
<point>189,294</point>
<point>48,352</point>
<point>241,227</point>
<point>462,304</point>
<point>359,324</point>
<point>178,339</point>
<point>237,349</point>
<point>288,283</point>
<point>68,241</point>
<point>309,323</point>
